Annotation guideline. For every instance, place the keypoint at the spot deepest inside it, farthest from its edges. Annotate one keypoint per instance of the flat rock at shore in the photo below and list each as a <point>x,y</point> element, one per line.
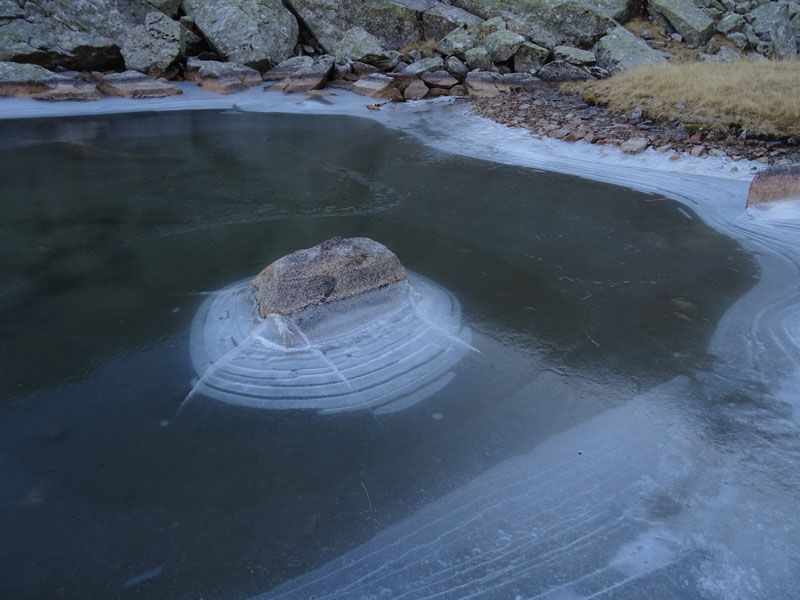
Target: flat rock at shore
<point>220,77</point>
<point>33,81</point>
<point>775,184</point>
<point>132,84</point>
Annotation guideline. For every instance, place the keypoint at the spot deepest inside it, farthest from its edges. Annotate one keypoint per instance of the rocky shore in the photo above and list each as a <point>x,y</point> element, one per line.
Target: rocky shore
<point>546,111</point>
<point>506,56</point>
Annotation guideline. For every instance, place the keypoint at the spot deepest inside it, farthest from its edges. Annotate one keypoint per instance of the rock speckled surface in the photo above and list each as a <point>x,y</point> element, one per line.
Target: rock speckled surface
<point>334,270</point>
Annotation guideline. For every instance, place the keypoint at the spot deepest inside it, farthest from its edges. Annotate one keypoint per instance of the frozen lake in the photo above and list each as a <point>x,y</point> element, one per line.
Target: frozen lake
<point>628,427</point>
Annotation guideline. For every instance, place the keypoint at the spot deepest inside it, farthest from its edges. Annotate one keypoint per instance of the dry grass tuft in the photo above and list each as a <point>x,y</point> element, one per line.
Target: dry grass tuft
<point>762,97</point>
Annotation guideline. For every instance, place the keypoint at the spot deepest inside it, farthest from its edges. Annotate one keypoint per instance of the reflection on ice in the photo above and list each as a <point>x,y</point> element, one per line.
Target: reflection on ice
<point>632,504</point>
<point>386,349</point>
<point>585,513</point>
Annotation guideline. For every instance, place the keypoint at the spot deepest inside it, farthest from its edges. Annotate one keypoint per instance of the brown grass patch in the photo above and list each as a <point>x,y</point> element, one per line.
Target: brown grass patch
<point>762,97</point>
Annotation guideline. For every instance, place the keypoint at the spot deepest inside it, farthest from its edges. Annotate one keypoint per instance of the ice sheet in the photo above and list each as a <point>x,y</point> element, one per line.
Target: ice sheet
<point>690,491</point>
<point>384,350</point>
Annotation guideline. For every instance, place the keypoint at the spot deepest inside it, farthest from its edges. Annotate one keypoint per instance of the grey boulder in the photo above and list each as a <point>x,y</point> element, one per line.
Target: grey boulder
<point>502,45</point>
<point>255,33</point>
<point>334,270</point>
<point>439,20</point>
<point>684,17</point>
<point>548,22</point>
<point>485,83</point>
<point>287,68</point>
<point>311,77</point>
<point>561,70</point>
<point>530,58</point>
<point>775,184</point>
<point>478,58</point>
<point>152,47</point>
<point>576,56</point>
<point>81,36</point>
<point>378,85</point>
<point>620,50</point>
<point>358,44</point>
<point>458,42</point>
<point>395,24</point>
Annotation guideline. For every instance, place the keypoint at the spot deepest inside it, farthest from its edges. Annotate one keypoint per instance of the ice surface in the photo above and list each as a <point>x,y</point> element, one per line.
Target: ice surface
<point>690,491</point>
<point>630,505</point>
<point>385,350</point>
<point>583,516</point>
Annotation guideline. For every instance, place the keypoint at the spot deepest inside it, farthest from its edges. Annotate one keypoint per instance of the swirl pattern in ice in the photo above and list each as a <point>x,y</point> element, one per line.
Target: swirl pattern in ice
<point>384,350</point>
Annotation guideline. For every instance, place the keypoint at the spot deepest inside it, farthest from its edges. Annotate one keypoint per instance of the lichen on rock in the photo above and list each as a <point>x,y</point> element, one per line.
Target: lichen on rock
<point>256,33</point>
<point>336,269</point>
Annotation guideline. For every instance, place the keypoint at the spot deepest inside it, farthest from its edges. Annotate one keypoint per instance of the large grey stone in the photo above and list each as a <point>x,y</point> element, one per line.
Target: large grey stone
<point>287,68</point>
<point>416,90</point>
<point>457,42</point>
<point>358,44</point>
<point>255,33</point>
<point>441,19</point>
<point>619,10</point>
<point>548,22</point>
<point>775,184</point>
<point>784,39</point>
<point>337,269</point>
<point>521,81</point>
<point>456,68</point>
<point>620,50</point>
<point>132,84</point>
<point>433,63</point>
<point>764,17</point>
<point>485,83</point>
<point>151,48</point>
<point>730,23</point>
<point>395,24</point>
<point>168,7</point>
<point>33,81</point>
<point>561,70</point>
<point>478,58</point>
<point>530,57</point>
<point>684,17</point>
<point>220,77</point>
<point>311,77</point>
<point>377,85</point>
<point>634,145</point>
<point>502,45</point>
<point>439,79</point>
<point>725,54</point>
<point>576,56</point>
<point>82,36</point>
<point>10,9</point>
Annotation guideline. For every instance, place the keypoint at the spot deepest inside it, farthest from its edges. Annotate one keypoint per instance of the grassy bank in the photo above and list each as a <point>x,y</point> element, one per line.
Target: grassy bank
<point>762,97</point>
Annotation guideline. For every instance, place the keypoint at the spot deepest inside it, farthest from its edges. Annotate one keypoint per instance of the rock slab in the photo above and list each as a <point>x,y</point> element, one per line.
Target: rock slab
<point>132,84</point>
<point>151,48</point>
<point>256,33</point>
<point>775,184</point>
<point>336,269</point>
<point>220,77</point>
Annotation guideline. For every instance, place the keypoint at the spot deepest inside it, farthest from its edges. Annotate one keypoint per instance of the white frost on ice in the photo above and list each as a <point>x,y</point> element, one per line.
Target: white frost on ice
<point>385,350</point>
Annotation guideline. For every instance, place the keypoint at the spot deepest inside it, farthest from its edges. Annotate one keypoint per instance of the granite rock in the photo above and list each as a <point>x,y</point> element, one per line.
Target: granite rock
<point>334,270</point>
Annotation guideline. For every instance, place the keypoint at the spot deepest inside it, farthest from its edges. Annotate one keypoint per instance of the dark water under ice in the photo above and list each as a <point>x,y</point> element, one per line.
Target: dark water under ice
<point>581,296</point>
